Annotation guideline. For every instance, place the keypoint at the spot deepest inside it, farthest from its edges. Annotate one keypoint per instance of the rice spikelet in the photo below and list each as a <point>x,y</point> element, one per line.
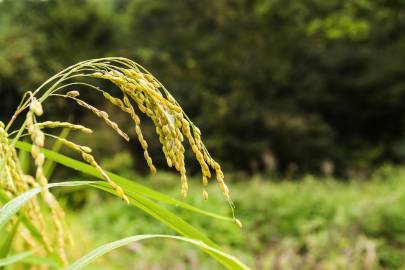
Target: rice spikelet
<point>104,116</point>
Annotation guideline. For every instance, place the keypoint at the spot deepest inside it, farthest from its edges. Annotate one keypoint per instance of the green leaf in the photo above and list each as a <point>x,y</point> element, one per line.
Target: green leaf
<point>14,258</point>
<point>100,251</point>
<point>3,197</point>
<point>50,165</point>
<point>170,219</point>
<point>27,258</point>
<point>123,182</point>
<point>27,223</point>
<point>141,196</point>
<point>139,201</point>
<point>7,241</point>
<point>13,206</point>
<point>23,156</point>
<point>51,261</point>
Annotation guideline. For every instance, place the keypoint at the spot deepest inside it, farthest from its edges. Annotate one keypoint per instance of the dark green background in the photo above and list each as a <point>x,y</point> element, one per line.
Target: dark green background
<point>275,85</point>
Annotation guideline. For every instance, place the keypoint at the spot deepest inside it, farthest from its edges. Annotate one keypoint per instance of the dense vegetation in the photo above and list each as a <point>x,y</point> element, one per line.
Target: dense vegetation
<point>309,81</point>
<point>36,227</point>
<point>301,102</point>
<point>307,224</point>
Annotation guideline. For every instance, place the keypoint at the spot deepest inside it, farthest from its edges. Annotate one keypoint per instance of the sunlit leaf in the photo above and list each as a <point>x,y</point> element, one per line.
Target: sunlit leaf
<point>102,250</point>
<point>14,258</point>
<point>122,181</point>
<point>143,203</point>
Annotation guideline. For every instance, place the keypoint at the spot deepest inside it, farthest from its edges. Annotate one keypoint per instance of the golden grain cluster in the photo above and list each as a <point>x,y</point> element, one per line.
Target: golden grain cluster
<point>140,92</point>
<point>170,121</point>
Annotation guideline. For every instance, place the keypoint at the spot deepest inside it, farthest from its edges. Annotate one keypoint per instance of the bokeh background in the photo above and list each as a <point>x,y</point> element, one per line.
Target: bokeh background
<point>302,101</point>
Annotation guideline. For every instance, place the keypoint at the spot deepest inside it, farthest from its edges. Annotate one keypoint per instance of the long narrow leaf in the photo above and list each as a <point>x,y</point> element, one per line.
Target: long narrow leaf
<point>15,258</point>
<point>171,220</point>
<point>13,206</point>
<point>7,241</point>
<point>27,223</point>
<point>52,261</point>
<point>139,201</point>
<point>50,164</point>
<point>100,251</point>
<point>122,181</point>
<point>139,195</point>
<point>29,258</point>
<point>24,160</point>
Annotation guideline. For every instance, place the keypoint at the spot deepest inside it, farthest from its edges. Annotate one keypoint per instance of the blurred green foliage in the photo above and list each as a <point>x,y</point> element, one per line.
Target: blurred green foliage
<point>307,224</point>
<point>274,84</point>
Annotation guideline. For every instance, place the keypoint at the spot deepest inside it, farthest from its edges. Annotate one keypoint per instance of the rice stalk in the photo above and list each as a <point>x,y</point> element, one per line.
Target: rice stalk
<point>138,87</point>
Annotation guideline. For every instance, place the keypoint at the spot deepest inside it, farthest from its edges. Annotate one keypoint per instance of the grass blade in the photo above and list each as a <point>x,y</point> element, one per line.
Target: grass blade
<point>13,206</point>
<point>50,165</point>
<point>24,160</point>
<point>27,223</point>
<point>28,258</point>
<point>15,258</point>
<point>122,181</point>
<point>7,241</point>
<point>171,220</point>
<point>145,204</point>
<point>100,251</point>
<point>52,261</point>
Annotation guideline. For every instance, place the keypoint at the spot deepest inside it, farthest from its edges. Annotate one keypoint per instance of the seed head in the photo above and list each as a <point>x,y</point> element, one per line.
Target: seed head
<point>103,115</point>
<point>205,195</point>
<point>36,107</point>
<point>73,93</point>
<point>90,159</point>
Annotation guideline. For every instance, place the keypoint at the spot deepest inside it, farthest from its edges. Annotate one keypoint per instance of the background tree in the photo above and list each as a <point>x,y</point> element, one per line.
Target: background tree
<point>301,81</point>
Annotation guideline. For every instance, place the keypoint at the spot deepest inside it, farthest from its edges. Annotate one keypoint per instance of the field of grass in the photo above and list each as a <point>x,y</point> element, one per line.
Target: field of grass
<point>304,223</point>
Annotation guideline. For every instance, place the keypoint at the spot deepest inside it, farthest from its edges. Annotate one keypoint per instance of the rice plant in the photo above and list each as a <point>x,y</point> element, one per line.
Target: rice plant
<point>24,216</point>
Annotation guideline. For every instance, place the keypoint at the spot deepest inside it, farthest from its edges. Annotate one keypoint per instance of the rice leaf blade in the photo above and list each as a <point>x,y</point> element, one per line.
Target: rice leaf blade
<point>8,241</point>
<point>14,258</point>
<point>100,251</point>
<point>50,165</point>
<point>150,207</point>
<point>13,206</point>
<point>122,181</point>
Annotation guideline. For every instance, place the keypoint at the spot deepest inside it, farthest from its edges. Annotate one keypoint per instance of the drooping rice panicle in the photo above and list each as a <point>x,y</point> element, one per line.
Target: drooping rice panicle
<point>104,116</point>
<point>85,153</point>
<point>135,118</point>
<point>126,106</point>
<point>72,145</point>
<point>6,180</point>
<point>120,192</point>
<point>18,182</point>
<point>38,139</point>
<point>140,90</point>
<point>169,119</point>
